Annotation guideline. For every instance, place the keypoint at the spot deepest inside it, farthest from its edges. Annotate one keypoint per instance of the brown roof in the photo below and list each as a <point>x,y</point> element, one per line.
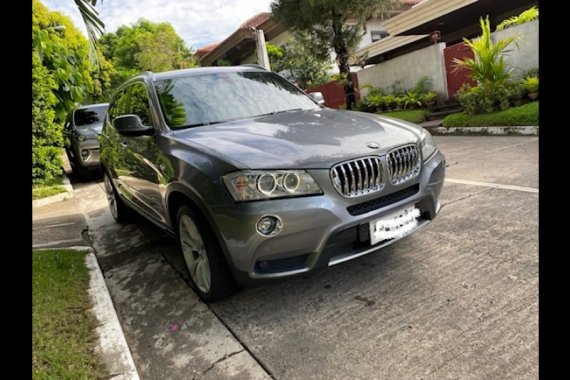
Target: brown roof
<point>255,21</point>
<point>206,49</point>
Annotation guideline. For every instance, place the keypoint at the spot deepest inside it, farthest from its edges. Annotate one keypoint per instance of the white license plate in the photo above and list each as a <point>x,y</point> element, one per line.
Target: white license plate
<point>394,225</point>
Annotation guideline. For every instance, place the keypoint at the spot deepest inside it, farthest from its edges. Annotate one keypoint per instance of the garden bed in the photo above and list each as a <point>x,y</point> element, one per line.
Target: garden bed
<point>413,116</point>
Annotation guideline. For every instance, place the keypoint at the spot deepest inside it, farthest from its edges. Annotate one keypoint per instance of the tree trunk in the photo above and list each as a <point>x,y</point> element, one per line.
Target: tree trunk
<point>342,57</point>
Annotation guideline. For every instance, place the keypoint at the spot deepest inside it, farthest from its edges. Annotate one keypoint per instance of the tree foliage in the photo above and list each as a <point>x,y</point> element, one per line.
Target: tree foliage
<point>61,78</point>
<point>64,54</point>
<point>147,46</point>
<point>328,20</point>
<point>303,59</point>
<point>95,27</point>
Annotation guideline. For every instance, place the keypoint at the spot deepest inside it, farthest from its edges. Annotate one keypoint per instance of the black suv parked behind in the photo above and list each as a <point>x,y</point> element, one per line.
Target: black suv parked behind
<point>257,180</point>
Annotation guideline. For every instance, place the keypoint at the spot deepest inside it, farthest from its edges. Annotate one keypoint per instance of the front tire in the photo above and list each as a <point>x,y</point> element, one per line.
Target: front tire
<point>209,272</point>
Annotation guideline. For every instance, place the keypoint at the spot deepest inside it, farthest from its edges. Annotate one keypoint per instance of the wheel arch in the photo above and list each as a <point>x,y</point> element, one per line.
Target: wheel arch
<point>179,195</point>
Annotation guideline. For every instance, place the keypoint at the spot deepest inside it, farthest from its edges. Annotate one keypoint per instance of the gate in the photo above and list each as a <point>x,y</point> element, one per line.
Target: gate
<point>334,93</point>
<point>456,77</point>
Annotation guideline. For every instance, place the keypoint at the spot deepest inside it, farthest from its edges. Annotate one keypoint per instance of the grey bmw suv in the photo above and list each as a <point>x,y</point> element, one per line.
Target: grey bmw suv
<point>256,180</point>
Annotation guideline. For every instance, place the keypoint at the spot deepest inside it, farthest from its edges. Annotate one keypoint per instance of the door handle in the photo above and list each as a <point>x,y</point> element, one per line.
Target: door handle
<point>123,144</point>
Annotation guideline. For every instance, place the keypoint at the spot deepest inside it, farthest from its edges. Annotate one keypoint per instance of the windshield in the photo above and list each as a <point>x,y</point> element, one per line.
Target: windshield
<point>86,116</point>
<point>205,99</point>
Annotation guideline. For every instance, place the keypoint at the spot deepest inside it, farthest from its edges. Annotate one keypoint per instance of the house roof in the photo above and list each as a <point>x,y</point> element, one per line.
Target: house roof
<point>206,49</point>
<point>240,44</point>
<point>255,21</point>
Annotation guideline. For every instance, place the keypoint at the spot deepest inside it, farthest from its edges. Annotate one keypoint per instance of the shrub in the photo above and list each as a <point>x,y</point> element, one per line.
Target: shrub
<point>530,84</point>
<point>526,16</point>
<point>524,115</point>
<point>47,136</point>
<point>530,73</point>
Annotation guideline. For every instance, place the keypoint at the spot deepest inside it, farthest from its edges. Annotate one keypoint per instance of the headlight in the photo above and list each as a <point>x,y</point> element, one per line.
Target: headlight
<point>266,184</point>
<point>428,145</point>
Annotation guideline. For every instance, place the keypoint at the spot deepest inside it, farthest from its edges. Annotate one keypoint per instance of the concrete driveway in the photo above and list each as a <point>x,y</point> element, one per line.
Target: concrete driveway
<point>458,299</point>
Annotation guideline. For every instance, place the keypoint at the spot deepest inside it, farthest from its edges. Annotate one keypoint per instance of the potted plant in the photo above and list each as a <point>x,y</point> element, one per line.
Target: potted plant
<point>518,92</point>
<point>530,84</point>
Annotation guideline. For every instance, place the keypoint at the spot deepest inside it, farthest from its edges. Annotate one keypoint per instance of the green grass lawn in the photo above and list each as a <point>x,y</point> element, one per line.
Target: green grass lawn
<point>47,189</point>
<point>63,336</point>
<point>413,116</point>
<point>524,115</point>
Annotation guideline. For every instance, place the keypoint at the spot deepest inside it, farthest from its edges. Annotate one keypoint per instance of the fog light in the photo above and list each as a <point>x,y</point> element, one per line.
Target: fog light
<point>85,154</point>
<point>269,225</point>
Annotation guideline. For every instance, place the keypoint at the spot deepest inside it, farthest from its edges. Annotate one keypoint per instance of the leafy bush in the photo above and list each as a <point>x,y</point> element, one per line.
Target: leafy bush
<point>46,134</point>
<point>378,99</point>
<point>530,84</point>
<point>530,73</point>
<point>526,16</point>
<point>517,116</point>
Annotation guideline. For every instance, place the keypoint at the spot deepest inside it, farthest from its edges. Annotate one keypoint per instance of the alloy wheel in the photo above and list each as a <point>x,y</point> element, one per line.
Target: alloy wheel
<point>195,254</point>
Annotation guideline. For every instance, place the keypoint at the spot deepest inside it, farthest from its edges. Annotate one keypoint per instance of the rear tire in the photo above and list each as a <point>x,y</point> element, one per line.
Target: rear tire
<point>120,212</point>
<point>210,274</point>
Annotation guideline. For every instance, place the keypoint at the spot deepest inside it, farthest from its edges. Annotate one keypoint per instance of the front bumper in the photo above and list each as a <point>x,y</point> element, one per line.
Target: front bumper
<point>319,231</point>
<point>91,159</point>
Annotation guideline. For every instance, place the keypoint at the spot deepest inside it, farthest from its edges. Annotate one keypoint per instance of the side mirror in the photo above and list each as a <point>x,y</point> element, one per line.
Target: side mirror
<point>131,125</point>
<point>317,97</point>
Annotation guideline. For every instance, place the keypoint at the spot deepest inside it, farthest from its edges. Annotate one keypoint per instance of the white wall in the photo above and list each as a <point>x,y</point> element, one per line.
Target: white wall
<point>408,69</point>
<point>523,54</point>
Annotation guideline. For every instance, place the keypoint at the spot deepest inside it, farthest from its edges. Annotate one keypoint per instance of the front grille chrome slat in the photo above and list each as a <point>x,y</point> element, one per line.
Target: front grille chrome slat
<point>403,164</point>
<point>358,177</point>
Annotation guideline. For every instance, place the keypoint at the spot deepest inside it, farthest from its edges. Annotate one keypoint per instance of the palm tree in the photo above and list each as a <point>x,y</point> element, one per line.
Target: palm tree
<point>95,27</point>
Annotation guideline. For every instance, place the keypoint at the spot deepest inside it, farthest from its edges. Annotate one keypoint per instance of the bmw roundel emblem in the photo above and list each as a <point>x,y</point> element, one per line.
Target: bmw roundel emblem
<point>373,145</point>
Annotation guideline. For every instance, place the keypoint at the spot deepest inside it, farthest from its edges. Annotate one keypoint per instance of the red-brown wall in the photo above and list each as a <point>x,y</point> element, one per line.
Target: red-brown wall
<point>334,93</point>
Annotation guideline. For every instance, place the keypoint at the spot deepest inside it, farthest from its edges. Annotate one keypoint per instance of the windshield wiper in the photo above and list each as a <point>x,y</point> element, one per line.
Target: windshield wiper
<point>276,112</point>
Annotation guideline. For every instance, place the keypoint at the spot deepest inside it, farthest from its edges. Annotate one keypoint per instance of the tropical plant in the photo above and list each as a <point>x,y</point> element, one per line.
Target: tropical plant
<point>488,67</point>
<point>429,98</point>
<point>95,27</point>
<point>530,84</point>
<point>327,19</point>
<point>412,100</point>
<point>526,16</point>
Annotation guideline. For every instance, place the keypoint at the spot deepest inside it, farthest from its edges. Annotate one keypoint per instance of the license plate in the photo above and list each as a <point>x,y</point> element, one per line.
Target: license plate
<point>394,225</point>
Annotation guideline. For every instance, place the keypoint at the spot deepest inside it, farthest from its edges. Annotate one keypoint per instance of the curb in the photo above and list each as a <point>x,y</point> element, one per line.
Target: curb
<point>484,131</point>
<point>68,194</point>
<point>113,348</point>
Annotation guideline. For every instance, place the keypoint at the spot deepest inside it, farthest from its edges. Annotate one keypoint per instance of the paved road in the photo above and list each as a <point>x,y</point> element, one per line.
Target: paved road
<point>458,299</point>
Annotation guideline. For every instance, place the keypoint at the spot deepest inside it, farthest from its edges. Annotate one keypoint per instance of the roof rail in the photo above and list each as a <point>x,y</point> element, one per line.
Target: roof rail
<point>254,65</point>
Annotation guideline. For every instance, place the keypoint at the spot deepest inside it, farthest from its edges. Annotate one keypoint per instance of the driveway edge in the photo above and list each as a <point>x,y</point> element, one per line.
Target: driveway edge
<point>484,131</point>
<point>68,194</point>
<point>112,345</point>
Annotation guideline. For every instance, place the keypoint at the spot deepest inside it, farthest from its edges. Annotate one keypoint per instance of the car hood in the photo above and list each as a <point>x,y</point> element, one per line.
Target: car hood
<point>90,130</point>
<point>311,139</point>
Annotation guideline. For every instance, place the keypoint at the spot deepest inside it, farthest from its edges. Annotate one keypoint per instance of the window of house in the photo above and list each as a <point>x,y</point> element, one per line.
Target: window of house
<point>378,34</point>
